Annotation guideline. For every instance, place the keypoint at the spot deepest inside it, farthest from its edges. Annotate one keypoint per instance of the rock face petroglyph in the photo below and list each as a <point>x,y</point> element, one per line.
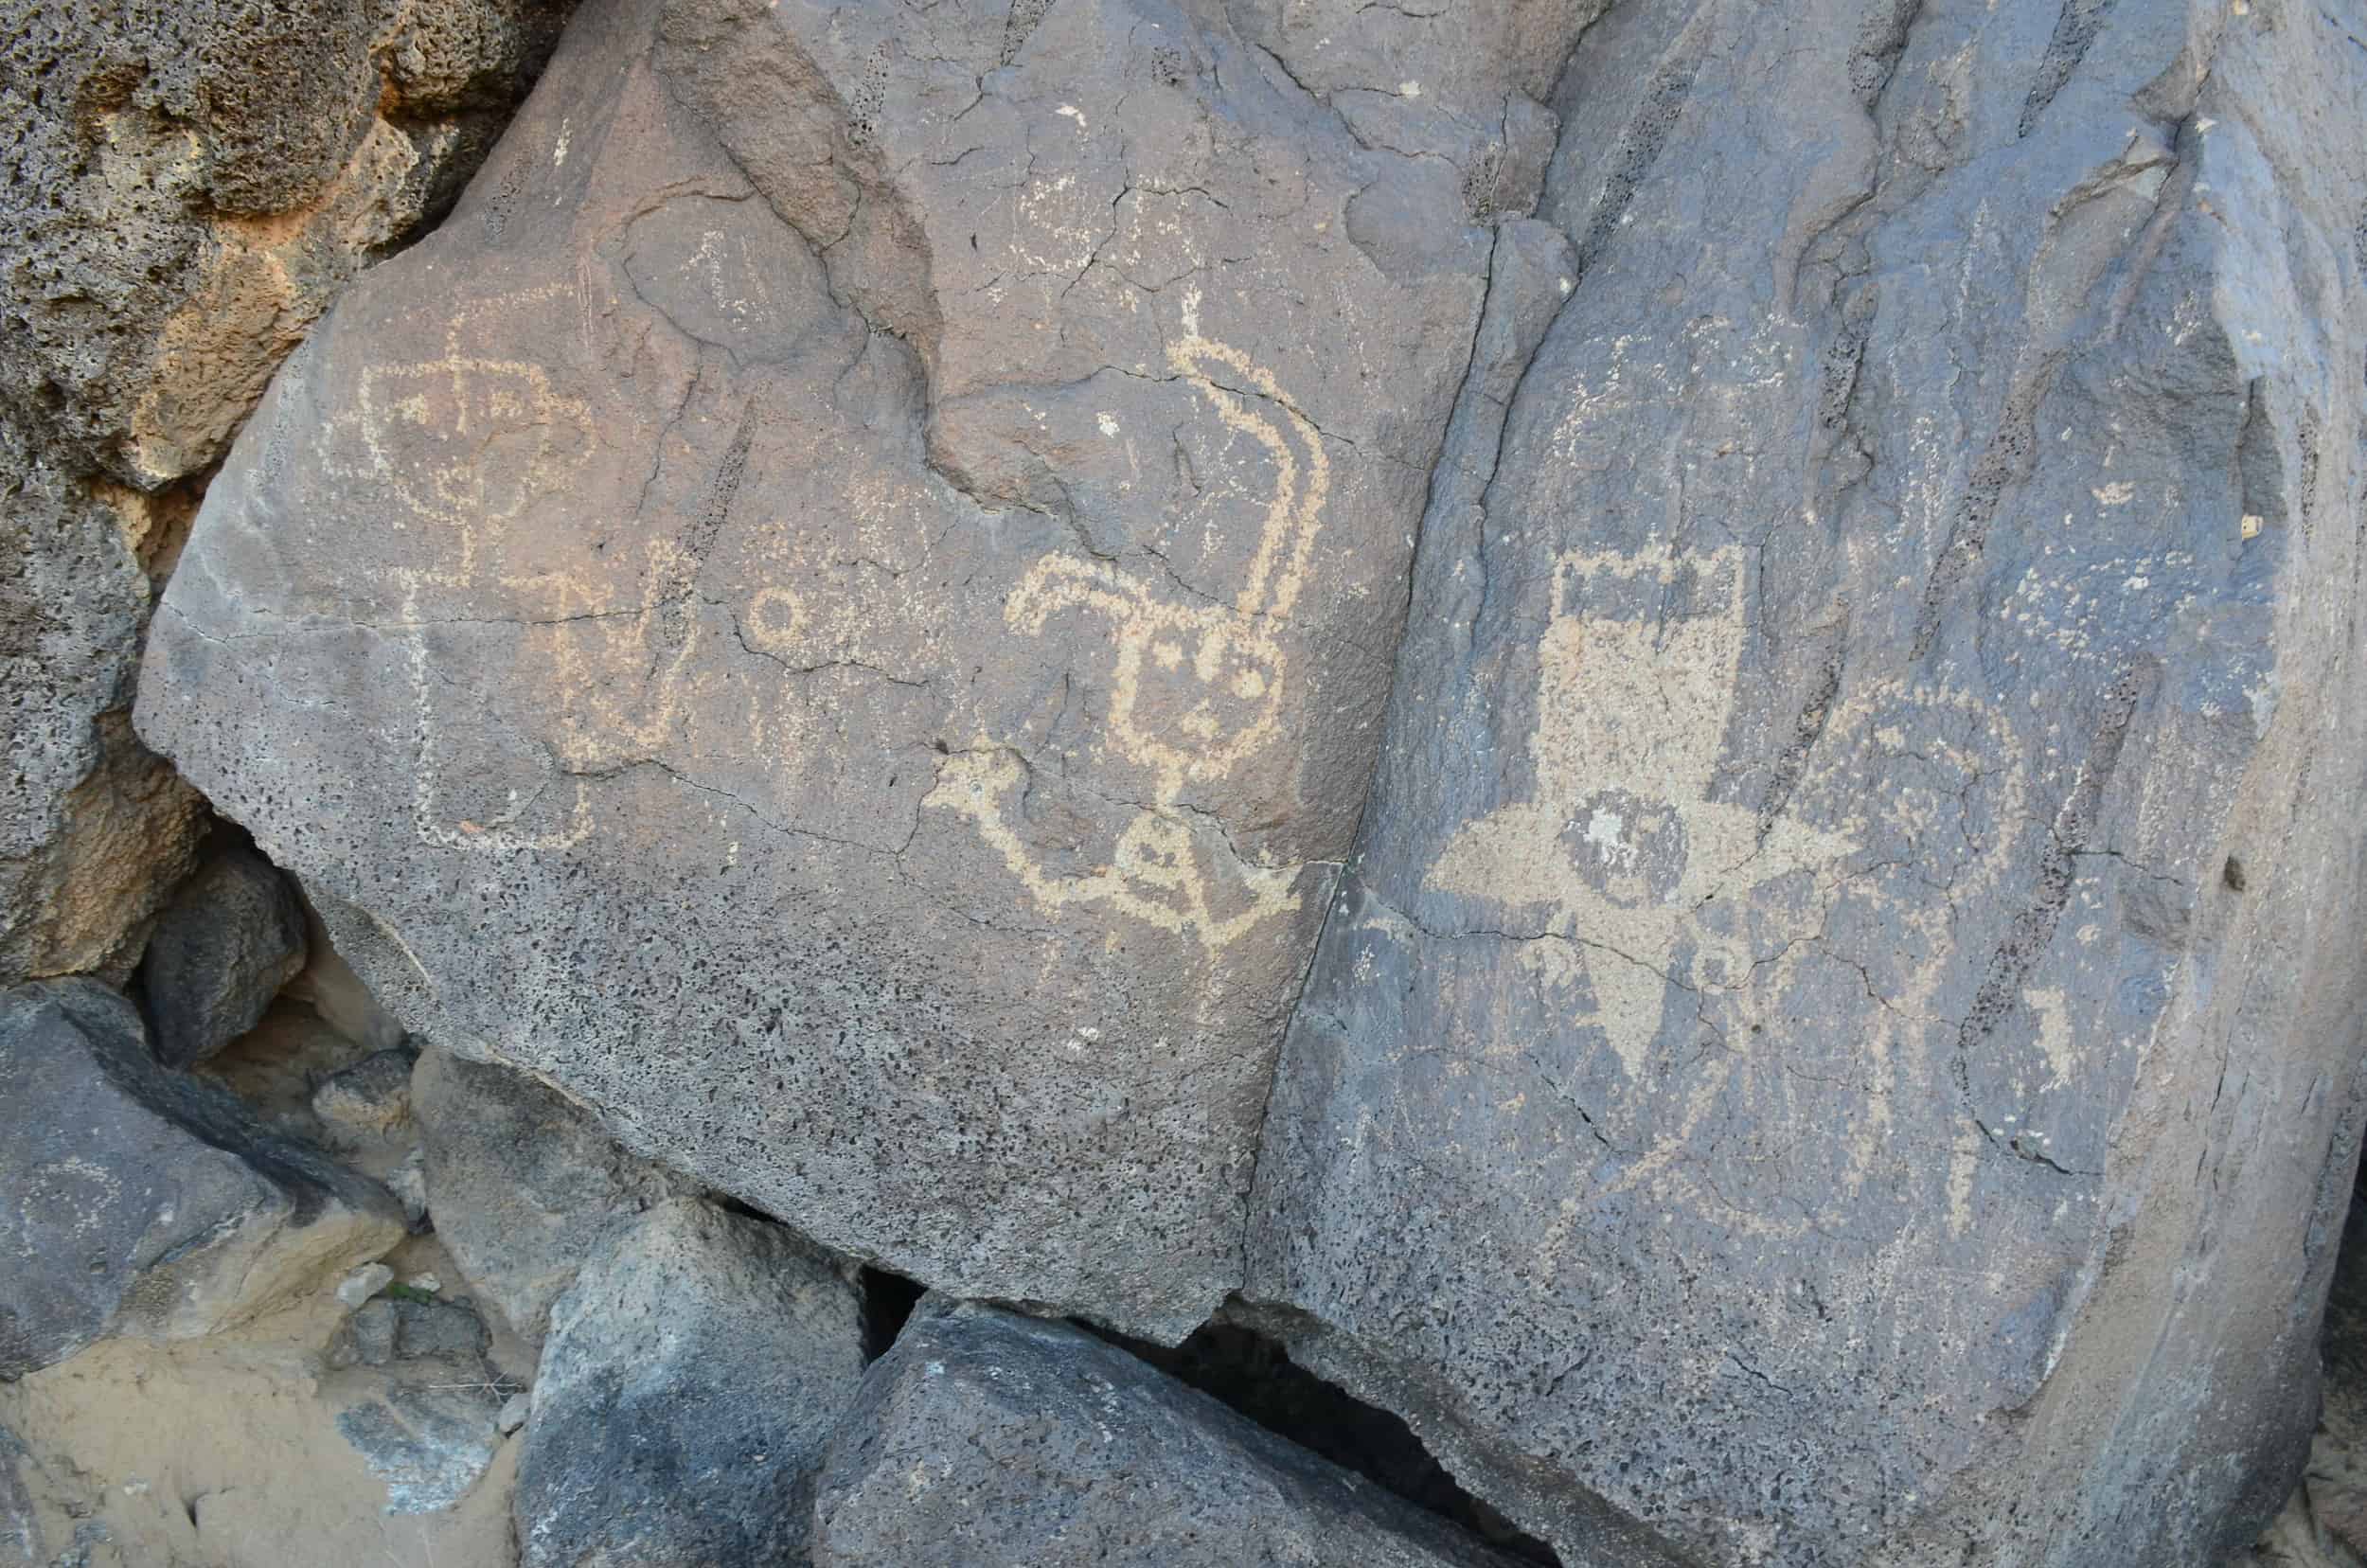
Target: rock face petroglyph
<point>1224,670</point>
<point>1792,993</point>
<point>1644,880</point>
<point>460,445</point>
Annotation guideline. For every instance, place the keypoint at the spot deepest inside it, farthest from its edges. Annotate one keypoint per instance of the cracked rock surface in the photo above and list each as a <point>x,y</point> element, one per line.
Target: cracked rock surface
<point>940,502</point>
<point>1636,719</point>
<point>1814,1045</point>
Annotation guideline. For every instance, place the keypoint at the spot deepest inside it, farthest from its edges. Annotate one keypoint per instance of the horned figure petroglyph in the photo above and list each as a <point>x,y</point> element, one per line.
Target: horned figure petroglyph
<point>1196,688</point>
<point>1651,890</point>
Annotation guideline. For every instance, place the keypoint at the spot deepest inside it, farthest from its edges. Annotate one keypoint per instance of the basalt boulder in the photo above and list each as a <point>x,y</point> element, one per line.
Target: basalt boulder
<point>138,1201</point>
<point>840,608</point>
<point>523,1184</point>
<point>692,1374</point>
<point>1842,1043</point>
<point>232,936</point>
<point>984,1437</point>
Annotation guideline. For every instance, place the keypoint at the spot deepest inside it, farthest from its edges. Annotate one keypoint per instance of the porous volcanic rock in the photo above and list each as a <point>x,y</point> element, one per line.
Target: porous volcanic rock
<point>691,1376</point>
<point>1841,1042</point>
<point>186,186</point>
<point>232,936</point>
<point>840,608</point>
<point>523,1184</point>
<point>988,1438</point>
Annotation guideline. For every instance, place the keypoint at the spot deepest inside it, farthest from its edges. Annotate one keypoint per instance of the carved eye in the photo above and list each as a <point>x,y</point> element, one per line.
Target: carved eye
<point>1166,654</point>
<point>1249,685</point>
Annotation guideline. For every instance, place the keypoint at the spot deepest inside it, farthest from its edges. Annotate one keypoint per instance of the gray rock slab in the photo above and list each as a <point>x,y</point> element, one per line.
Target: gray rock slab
<point>371,1098</point>
<point>366,1338</point>
<point>134,1200</point>
<point>691,1378</point>
<point>522,1183</point>
<point>438,1328</point>
<point>983,1436</point>
<point>20,1532</point>
<point>839,609</point>
<point>231,938</point>
<point>428,1442</point>
<point>396,1327</point>
<point>1839,1044</point>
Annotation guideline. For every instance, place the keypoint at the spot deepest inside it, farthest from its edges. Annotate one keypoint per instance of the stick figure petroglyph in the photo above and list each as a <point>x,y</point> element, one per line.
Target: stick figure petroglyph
<point>1651,890</point>
<point>1196,688</point>
<point>463,443</point>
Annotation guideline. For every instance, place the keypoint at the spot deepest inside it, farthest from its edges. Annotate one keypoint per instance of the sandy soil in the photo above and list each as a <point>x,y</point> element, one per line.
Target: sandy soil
<point>227,1452</point>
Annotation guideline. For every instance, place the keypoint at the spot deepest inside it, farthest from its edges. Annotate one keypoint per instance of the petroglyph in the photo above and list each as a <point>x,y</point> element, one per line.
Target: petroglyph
<point>653,643</point>
<point>464,440</point>
<point>1160,872</point>
<point>1196,688</point>
<point>1650,888</point>
<point>463,443</point>
<point>499,834</point>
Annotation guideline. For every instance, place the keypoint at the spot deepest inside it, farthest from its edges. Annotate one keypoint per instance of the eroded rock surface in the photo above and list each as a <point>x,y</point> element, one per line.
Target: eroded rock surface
<point>429,1442</point>
<point>187,187</point>
<point>843,611</point>
<point>524,1185</point>
<point>143,1201</point>
<point>987,1438</point>
<point>938,492</point>
<point>692,1373</point>
<point>1841,1042</point>
<point>231,938</point>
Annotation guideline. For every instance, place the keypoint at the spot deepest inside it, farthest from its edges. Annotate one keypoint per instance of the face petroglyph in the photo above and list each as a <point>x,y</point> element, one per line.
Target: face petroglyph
<point>464,444</point>
<point>1643,897</point>
<point>1196,688</point>
<point>464,441</point>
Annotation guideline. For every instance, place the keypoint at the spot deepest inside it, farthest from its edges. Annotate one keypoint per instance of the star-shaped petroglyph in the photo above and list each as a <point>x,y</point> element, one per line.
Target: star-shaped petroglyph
<point>1621,843</point>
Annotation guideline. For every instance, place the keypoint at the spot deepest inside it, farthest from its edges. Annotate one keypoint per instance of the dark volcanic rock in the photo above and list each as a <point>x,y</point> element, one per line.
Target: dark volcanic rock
<point>841,612</point>
<point>134,1200</point>
<point>1843,1039</point>
<point>230,941</point>
<point>691,1378</point>
<point>936,491</point>
<point>2336,1479</point>
<point>984,1437</point>
<point>20,1532</point>
<point>523,1184</point>
<point>371,1098</point>
<point>95,830</point>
